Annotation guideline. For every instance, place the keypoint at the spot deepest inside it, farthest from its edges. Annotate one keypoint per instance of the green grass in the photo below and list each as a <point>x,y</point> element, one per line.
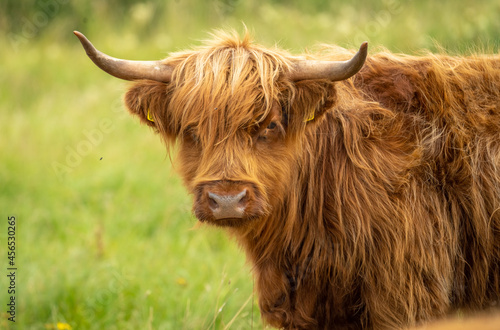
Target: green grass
<point>105,238</point>
<point>104,243</point>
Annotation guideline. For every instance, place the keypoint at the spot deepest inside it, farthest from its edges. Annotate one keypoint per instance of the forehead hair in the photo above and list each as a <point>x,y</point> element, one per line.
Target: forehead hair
<point>226,85</point>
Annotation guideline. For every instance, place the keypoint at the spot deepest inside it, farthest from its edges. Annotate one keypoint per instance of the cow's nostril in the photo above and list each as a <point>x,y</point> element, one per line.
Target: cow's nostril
<point>212,201</point>
<point>243,198</point>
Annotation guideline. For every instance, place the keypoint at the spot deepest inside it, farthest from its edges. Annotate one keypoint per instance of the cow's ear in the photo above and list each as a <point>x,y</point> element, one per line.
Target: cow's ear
<point>149,101</point>
<point>312,98</point>
<point>146,99</point>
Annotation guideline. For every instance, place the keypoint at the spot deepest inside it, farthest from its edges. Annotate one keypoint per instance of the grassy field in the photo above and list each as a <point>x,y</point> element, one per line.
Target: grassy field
<point>104,234</point>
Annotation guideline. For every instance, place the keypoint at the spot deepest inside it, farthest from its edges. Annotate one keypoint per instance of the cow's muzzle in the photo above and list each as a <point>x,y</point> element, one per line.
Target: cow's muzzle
<point>228,203</point>
<point>226,206</point>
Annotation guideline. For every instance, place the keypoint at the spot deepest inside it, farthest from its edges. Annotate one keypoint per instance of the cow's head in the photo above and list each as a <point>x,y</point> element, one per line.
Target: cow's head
<point>238,112</point>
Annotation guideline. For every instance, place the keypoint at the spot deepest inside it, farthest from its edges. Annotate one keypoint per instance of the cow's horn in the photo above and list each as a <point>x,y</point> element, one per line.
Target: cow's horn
<point>332,70</point>
<point>125,69</point>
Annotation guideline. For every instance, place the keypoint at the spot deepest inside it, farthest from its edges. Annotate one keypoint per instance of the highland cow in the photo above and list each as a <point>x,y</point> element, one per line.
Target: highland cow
<point>364,191</point>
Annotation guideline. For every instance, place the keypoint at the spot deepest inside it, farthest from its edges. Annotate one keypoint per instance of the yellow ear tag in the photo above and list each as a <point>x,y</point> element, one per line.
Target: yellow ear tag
<point>149,117</point>
<point>311,117</point>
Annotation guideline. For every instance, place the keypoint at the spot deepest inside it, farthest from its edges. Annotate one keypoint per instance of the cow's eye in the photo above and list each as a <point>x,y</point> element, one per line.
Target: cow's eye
<point>190,134</point>
<point>272,125</point>
<point>195,137</point>
<point>272,131</point>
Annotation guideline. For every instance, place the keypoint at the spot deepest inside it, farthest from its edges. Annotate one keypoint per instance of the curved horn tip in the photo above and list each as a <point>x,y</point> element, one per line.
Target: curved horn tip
<point>364,48</point>
<point>79,35</point>
<point>87,45</point>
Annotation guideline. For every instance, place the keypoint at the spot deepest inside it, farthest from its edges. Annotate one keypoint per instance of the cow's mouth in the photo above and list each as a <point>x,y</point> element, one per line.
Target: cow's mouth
<point>207,216</point>
<point>228,203</point>
<point>228,222</point>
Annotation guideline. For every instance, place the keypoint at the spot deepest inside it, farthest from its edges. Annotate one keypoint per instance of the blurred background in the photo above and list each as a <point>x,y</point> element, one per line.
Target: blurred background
<point>105,238</point>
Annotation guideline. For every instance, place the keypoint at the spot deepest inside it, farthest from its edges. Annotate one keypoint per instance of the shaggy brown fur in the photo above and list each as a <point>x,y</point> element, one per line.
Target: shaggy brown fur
<point>478,322</point>
<point>382,212</point>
